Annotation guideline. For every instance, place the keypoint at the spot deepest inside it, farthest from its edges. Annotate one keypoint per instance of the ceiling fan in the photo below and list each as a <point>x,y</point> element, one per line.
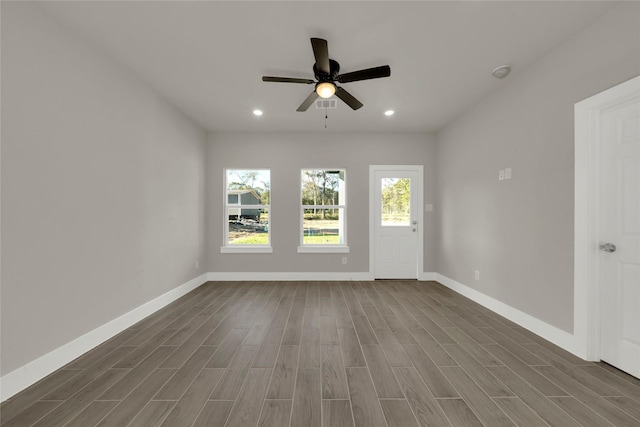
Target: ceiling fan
<point>326,73</point>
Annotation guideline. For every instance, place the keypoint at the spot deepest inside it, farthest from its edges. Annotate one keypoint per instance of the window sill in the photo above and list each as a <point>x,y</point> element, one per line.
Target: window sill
<point>322,249</point>
<point>246,249</point>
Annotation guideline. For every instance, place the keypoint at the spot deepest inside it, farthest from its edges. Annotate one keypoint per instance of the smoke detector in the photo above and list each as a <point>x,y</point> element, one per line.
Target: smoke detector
<point>501,72</point>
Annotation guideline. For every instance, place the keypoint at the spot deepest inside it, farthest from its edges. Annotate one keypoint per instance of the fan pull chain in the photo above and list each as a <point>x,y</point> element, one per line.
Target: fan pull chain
<point>326,116</point>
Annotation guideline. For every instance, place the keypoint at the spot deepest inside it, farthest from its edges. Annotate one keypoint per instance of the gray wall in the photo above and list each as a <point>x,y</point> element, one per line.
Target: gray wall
<point>286,154</point>
<point>104,207</point>
<point>519,233</point>
<point>102,189</point>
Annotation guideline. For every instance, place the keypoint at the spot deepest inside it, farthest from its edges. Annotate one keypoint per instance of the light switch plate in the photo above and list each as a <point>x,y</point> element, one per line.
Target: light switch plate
<point>501,175</point>
<point>507,173</point>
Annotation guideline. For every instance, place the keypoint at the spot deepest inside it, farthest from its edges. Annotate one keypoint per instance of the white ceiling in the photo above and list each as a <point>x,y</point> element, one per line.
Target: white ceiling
<point>207,57</point>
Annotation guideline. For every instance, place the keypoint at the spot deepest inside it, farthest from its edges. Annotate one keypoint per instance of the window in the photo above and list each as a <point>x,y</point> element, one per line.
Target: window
<point>396,205</point>
<point>246,210</point>
<point>323,211</point>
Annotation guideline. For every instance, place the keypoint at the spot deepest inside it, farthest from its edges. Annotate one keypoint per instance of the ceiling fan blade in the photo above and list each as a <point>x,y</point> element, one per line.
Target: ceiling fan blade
<point>348,98</point>
<point>307,102</point>
<point>286,80</point>
<point>369,73</point>
<point>321,52</point>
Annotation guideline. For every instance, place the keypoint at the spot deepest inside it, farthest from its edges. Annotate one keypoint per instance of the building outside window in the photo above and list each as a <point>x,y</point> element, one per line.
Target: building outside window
<point>247,209</point>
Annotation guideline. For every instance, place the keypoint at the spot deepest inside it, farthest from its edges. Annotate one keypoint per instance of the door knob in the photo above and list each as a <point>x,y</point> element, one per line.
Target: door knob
<point>608,247</point>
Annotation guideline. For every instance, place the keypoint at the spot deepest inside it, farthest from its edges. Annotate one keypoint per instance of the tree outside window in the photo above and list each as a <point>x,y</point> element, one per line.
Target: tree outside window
<point>396,205</point>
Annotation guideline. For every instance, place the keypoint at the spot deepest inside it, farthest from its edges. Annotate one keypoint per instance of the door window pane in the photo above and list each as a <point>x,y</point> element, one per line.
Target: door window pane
<point>396,205</point>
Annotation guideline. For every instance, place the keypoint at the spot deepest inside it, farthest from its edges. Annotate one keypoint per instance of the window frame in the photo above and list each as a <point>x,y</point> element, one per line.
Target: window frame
<point>254,248</point>
<point>321,248</point>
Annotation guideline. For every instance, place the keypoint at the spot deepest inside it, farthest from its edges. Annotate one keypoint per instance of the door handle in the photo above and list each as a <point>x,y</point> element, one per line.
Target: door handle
<point>607,247</point>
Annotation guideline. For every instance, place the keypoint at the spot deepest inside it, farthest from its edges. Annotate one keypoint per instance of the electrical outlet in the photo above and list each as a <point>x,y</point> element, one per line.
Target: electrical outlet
<point>507,173</point>
<point>477,275</point>
<point>344,260</point>
<point>501,175</point>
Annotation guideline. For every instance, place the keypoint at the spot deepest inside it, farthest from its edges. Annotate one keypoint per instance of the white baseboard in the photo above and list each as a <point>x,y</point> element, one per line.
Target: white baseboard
<point>23,377</point>
<point>26,375</point>
<point>427,276</point>
<point>284,276</point>
<point>555,335</point>
<point>270,276</point>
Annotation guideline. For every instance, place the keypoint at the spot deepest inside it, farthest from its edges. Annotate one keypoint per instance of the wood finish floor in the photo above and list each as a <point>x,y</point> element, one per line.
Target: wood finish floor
<point>392,353</point>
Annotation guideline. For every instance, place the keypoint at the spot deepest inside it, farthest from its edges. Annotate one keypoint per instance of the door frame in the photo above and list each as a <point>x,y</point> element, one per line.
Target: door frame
<point>420,214</point>
<point>587,198</point>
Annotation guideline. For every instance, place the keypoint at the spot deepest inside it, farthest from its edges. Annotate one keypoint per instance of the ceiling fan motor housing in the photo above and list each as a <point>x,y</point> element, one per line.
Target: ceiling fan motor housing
<point>332,76</point>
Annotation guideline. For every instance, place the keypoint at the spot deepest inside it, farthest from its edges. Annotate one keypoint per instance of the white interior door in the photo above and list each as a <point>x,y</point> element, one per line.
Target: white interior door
<point>396,221</point>
<point>619,272</point>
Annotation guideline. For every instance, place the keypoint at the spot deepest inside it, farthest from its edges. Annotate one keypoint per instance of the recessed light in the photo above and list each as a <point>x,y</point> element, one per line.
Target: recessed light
<point>389,113</point>
<point>257,112</point>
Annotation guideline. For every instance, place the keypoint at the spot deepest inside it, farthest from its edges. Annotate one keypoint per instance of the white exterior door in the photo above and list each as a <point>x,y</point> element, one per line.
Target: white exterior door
<point>619,246</point>
<point>396,242</point>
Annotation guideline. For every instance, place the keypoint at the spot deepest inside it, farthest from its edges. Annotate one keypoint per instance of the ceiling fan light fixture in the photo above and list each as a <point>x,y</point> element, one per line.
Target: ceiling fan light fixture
<point>325,89</point>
